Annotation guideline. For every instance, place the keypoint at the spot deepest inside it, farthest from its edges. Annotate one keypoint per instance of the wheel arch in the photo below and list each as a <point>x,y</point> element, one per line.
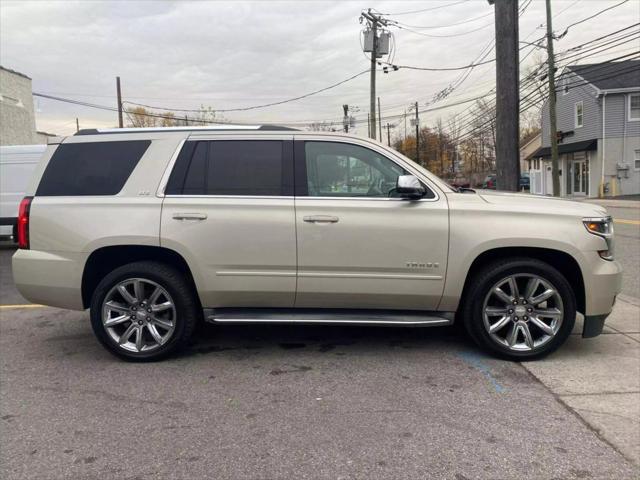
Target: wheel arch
<point>562,261</point>
<point>106,259</point>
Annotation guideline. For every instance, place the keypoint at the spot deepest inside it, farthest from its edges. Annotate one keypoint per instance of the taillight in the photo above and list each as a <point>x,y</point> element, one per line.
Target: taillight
<point>23,223</point>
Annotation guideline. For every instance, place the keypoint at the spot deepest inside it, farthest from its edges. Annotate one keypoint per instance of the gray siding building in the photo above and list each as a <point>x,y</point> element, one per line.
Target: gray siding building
<point>598,123</point>
<point>17,117</point>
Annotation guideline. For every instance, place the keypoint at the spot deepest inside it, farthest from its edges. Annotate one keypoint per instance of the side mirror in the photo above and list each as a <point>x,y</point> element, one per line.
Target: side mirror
<point>409,186</point>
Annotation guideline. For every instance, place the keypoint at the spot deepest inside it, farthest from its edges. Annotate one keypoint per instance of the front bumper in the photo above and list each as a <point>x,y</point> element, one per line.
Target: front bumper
<point>602,282</point>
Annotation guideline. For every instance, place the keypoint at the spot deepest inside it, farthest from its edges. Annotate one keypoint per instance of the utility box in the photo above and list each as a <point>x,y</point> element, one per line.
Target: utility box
<point>382,44</point>
<point>368,41</point>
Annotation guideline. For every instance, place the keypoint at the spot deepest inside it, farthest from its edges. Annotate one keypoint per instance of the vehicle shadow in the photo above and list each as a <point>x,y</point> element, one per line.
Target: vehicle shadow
<point>322,338</point>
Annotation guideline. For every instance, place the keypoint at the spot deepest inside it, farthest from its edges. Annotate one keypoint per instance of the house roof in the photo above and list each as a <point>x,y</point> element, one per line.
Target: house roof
<point>610,75</point>
<point>14,72</point>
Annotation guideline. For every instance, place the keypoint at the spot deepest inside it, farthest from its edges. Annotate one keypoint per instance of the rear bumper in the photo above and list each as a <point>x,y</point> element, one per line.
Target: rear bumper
<point>49,278</point>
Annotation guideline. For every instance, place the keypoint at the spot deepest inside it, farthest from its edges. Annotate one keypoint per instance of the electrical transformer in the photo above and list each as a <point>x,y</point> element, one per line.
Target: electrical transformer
<point>383,43</point>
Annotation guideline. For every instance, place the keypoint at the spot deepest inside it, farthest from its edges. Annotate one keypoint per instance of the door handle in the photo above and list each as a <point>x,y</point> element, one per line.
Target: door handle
<point>189,216</point>
<point>320,219</point>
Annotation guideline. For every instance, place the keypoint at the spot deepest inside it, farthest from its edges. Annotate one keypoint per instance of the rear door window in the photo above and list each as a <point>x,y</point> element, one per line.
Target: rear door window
<point>94,168</point>
<point>234,168</point>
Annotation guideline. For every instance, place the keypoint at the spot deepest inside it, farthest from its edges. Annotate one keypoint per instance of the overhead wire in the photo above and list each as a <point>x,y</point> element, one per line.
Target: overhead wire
<point>426,9</point>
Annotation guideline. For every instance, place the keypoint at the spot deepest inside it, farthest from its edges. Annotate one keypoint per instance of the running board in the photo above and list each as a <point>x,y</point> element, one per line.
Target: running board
<point>305,316</point>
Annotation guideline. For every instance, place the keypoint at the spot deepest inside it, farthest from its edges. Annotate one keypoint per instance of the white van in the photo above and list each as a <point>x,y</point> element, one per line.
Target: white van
<point>17,163</point>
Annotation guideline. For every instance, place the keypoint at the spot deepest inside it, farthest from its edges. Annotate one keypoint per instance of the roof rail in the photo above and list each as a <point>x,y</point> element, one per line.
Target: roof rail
<point>226,128</point>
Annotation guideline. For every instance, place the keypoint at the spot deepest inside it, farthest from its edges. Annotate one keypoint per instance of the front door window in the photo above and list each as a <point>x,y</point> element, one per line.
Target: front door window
<point>580,177</point>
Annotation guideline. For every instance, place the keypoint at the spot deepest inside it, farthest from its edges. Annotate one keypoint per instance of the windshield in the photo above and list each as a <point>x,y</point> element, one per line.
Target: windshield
<point>439,181</point>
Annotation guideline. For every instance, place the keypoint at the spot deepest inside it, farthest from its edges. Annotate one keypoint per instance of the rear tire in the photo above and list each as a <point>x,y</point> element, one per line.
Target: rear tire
<point>519,308</point>
<point>144,311</point>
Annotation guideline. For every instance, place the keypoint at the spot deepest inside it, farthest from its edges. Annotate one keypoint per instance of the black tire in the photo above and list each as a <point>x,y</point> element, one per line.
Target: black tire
<point>486,278</point>
<point>187,308</point>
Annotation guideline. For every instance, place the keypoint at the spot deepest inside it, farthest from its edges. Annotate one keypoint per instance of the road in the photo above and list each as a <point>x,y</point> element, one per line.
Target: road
<point>627,247</point>
<point>280,402</point>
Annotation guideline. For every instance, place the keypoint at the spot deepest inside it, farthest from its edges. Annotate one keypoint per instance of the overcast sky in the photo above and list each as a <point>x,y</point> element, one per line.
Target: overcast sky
<point>228,54</point>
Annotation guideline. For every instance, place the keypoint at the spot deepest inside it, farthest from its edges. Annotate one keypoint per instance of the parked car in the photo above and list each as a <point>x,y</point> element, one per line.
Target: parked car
<point>489,182</point>
<point>17,163</point>
<point>459,182</point>
<point>155,230</point>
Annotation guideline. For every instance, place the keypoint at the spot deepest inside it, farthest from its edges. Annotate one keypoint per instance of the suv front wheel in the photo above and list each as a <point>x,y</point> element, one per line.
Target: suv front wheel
<point>144,311</point>
<point>519,308</point>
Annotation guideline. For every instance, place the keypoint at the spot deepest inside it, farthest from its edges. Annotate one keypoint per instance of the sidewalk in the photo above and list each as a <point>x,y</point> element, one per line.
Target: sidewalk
<point>598,379</point>
<point>633,201</point>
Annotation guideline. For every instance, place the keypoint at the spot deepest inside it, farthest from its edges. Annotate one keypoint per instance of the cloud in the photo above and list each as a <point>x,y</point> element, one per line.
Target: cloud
<point>233,54</point>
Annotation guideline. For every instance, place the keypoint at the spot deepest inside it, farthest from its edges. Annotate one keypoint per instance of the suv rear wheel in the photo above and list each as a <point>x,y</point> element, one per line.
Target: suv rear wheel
<point>144,311</point>
<point>520,308</point>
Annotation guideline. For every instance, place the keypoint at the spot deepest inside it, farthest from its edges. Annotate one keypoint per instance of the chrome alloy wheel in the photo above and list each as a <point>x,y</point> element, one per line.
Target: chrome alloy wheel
<point>522,312</point>
<point>139,315</point>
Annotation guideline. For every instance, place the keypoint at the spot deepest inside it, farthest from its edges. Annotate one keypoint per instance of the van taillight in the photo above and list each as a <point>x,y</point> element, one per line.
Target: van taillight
<point>22,227</point>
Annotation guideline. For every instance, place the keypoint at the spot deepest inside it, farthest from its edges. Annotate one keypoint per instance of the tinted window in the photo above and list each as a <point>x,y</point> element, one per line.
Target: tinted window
<point>195,180</point>
<point>245,168</point>
<point>96,168</point>
<point>233,167</point>
<point>345,170</point>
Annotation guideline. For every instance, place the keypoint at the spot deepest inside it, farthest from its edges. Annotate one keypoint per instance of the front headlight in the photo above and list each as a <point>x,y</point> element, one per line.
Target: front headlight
<point>603,227</point>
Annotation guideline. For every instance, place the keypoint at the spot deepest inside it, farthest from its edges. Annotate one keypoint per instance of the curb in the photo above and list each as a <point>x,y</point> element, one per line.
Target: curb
<point>628,299</point>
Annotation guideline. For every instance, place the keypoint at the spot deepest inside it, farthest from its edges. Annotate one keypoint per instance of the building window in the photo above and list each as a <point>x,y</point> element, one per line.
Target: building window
<point>634,107</point>
<point>636,159</point>
<point>579,114</point>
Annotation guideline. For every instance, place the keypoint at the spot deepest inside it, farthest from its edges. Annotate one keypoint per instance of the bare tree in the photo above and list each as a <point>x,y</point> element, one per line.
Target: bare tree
<point>322,127</point>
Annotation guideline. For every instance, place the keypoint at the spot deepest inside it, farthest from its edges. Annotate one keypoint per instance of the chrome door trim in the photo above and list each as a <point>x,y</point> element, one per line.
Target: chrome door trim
<point>246,197</point>
<point>374,276</point>
<point>320,219</point>
<point>254,273</point>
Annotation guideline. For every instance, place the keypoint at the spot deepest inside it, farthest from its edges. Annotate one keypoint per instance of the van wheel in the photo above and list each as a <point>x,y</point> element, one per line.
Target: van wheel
<point>144,311</point>
<point>519,309</point>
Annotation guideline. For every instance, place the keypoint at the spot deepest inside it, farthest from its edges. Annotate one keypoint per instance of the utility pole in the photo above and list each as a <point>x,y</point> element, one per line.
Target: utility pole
<point>120,123</point>
<point>186,120</point>
<point>553,135</point>
<point>388,126</point>
<point>374,20</point>
<point>369,125</point>
<point>77,125</point>
<point>405,123</point>
<point>346,118</point>
<point>379,120</point>
<point>417,135</point>
<point>507,95</point>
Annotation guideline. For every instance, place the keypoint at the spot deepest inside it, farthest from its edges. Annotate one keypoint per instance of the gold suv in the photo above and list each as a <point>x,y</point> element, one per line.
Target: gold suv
<point>155,230</point>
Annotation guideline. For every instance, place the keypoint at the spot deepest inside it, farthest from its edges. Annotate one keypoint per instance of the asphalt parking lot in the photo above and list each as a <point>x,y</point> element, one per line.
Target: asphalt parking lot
<point>282,402</point>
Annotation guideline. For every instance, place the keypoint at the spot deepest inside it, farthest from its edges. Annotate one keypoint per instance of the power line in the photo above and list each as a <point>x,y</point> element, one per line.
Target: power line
<point>463,22</point>
<point>592,16</point>
<point>426,9</point>
<point>535,97</point>
<point>430,35</point>
<point>254,107</point>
